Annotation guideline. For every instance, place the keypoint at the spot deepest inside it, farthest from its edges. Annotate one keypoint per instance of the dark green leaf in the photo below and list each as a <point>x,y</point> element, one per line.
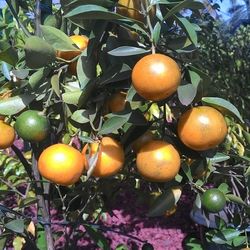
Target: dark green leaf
<point>97,237</point>
<point>9,56</point>
<point>16,226</point>
<point>91,11</point>
<point>58,39</point>
<point>188,28</point>
<point>182,5</point>
<point>81,116</point>
<point>225,235</point>
<point>14,105</point>
<point>235,199</point>
<point>195,78</point>
<point>2,242</point>
<point>127,51</point>
<point>238,241</point>
<point>223,105</point>
<point>219,157</point>
<point>165,201</point>
<point>186,93</point>
<point>114,123</point>
<point>21,73</point>
<point>27,202</point>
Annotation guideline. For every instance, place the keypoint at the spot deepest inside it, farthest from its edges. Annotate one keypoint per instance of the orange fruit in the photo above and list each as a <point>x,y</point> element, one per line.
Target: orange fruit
<point>158,161</point>
<point>156,77</point>
<point>81,42</point>
<point>110,156</point>
<point>7,135</point>
<point>142,140</point>
<point>117,102</point>
<point>61,164</point>
<point>132,9</point>
<point>202,128</point>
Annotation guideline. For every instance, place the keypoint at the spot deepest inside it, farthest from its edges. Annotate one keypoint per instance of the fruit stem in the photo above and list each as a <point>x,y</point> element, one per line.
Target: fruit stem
<point>197,187</point>
<point>41,201</point>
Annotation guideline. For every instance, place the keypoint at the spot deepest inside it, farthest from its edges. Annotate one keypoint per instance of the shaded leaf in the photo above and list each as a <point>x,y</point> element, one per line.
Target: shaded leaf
<point>14,105</point>
<point>165,201</point>
<point>97,237</point>
<point>186,93</point>
<point>16,226</point>
<point>80,116</point>
<point>127,51</point>
<point>58,39</point>
<point>235,199</point>
<point>223,105</point>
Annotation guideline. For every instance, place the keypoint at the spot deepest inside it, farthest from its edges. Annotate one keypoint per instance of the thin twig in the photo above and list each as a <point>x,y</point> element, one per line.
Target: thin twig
<point>12,187</point>
<point>13,12</point>
<point>38,18</point>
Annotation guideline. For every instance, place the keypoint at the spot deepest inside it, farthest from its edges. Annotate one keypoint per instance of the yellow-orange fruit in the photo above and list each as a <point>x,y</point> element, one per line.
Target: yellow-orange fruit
<point>117,102</point>
<point>61,164</point>
<point>202,128</point>
<point>156,77</point>
<point>158,161</point>
<point>110,156</point>
<point>7,135</point>
<point>81,42</point>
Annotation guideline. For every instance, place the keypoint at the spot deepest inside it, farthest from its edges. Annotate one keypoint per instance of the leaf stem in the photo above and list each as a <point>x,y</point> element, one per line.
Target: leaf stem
<point>38,18</point>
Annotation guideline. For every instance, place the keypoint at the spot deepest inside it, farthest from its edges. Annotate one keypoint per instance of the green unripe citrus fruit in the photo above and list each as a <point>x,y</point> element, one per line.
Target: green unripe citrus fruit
<point>213,200</point>
<point>32,126</point>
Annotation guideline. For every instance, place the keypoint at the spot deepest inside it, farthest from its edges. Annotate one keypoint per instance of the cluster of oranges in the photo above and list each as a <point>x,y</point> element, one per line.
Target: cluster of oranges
<point>155,77</point>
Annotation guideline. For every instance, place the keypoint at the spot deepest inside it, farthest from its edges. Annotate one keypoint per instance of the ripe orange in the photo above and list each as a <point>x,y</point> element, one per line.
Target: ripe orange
<point>158,161</point>
<point>117,102</point>
<point>110,156</point>
<point>7,135</point>
<point>156,77</point>
<point>132,9</point>
<point>82,43</point>
<point>61,164</point>
<point>202,128</point>
<point>142,140</point>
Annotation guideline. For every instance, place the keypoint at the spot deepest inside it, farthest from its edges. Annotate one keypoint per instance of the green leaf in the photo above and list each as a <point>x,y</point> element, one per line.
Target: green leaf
<point>2,242</point>
<point>182,5</point>
<point>235,199</point>
<point>20,73</point>
<point>97,237</point>
<point>224,188</point>
<point>38,78</point>
<point>114,123</point>
<point>127,51</point>
<point>225,235</point>
<point>246,136</point>
<point>156,32</point>
<point>91,11</point>
<point>223,105</point>
<point>72,97</point>
<point>195,78</point>
<point>27,202</point>
<point>58,39</point>
<point>86,69</point>
<point>238,241</point>
<point>219,157</point>
<point>186,93</point>
<point>188,28</point>
<point>16,226</point>
<point>41,238</point>
<point>165,201</point>
<point>9,56</point>
<point>14,105</point>
<point>54,81</point>
<point>81,116</point>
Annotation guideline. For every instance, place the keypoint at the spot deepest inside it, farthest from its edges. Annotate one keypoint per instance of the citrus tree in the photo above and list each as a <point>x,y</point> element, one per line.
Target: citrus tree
<point>105,95</point>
